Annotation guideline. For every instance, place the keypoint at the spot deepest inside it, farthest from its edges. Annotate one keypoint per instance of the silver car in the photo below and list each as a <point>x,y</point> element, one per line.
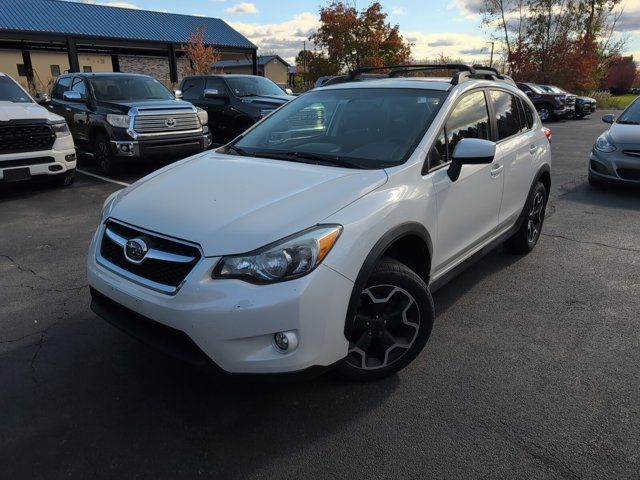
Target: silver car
<point>615,157</point>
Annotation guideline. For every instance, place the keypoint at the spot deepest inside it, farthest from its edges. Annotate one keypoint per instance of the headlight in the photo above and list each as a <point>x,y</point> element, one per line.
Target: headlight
<point>120,121</point>
<point>559,98</point>
<point>203,116</point>
<point>604,145</point>
<point>264,112</point>
<point>286,259</point>
<point>61,129</point>
<point>108,205</point>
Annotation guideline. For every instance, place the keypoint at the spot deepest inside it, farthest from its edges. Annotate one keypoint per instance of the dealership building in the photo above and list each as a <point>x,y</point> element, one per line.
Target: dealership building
<point>40,39</point>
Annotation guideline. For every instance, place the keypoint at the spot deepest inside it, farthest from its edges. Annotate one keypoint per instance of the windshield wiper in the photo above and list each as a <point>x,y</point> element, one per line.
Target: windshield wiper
<point>238,150</point>
<point>321,158</point>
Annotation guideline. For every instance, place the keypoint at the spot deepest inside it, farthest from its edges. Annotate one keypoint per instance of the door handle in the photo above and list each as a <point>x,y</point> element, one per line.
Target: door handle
<point>496,170</point>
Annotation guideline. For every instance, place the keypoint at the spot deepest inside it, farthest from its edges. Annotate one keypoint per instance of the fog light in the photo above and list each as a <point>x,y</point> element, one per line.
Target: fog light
<point>55,168</point>
<point>285,341</point>
<point>70,158</point>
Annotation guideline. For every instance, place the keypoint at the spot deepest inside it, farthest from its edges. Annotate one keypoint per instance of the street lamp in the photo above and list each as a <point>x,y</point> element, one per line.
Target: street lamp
<point>491,58</point>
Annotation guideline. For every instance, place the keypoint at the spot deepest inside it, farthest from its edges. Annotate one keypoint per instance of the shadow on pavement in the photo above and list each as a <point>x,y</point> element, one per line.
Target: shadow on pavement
<point>89,402</point>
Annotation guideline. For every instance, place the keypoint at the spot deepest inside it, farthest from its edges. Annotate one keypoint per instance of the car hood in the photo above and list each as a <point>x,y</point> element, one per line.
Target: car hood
<point>231,204</point>
<point>625,134</point>
<point>25,111</point>
<point>124,106</point>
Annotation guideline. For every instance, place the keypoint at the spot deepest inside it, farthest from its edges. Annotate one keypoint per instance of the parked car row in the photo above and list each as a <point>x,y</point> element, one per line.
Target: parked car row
<point>554,103</point>
<point>120,118</point>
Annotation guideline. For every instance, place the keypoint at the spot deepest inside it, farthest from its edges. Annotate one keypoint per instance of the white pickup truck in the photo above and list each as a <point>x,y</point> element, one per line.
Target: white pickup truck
<point>33,141</point>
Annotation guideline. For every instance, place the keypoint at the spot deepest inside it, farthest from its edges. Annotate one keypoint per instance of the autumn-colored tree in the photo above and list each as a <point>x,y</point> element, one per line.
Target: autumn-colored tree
<point>621,74</point>
<point>199,56</point>
<point>353,38</point>
<point>313,65</point>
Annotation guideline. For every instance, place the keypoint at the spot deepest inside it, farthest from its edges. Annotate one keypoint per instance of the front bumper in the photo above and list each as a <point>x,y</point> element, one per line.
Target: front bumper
<point>59,159</point>
<point>174,147</point>
<point>233,322</point>
<point>615,167</point>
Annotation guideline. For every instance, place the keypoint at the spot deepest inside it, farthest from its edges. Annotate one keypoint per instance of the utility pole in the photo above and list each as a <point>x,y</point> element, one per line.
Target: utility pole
<point>491,58</point>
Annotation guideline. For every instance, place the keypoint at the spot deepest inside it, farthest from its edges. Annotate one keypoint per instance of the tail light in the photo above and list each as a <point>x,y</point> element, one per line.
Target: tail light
<point>547,132</point>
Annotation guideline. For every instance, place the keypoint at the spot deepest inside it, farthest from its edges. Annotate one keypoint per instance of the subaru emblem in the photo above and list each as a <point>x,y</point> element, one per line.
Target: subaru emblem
<point>135,250</point>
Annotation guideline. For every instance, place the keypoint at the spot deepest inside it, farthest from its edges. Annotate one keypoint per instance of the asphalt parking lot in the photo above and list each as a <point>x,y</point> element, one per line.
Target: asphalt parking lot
<point>531,371</point>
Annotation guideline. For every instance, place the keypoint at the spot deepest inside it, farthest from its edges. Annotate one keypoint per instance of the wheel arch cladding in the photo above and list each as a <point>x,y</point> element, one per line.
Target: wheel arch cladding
<point>408,243</point>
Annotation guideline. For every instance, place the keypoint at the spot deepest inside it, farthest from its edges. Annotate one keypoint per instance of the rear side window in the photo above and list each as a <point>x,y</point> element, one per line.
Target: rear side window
<point>508,121</point>
<point>469,119</point>
<point>62,86</point>
<point>528,113</point>
<point>193,88</point>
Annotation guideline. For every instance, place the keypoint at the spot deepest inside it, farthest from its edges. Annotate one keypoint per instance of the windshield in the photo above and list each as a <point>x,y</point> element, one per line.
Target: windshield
<point>129,88</point>
<point>359,128</point>
<point>253,86</point>
<point>552,88</point>
<point>535,88</point>
<point>10,91</point>
<point>631,116</point>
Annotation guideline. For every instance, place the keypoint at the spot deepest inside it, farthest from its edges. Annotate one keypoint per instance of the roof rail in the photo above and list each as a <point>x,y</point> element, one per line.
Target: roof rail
<point>463,72</point>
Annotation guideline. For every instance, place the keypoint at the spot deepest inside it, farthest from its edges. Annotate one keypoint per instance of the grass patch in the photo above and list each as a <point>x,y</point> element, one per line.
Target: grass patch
<point>606,101</point>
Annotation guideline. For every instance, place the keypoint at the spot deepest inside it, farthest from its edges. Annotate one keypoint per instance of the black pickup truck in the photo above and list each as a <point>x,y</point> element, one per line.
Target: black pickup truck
<point>122,117</point>
<point>233,102</point>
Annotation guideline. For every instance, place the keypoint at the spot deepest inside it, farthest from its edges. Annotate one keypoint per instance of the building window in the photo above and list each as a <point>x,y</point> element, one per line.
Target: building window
<point>55,70</point>
<point>87,69</point>
<point>22,71</point>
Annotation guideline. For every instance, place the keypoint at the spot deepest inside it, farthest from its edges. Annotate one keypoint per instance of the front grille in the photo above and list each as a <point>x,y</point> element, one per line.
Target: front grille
<point>26,138</point>
<point>25,162</point>
<point>166,122</point>
<point>168,273</point>
<point>629,174</point>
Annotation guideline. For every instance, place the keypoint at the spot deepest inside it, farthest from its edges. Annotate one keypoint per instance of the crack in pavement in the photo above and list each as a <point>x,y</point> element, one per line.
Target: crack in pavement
<point>598,244</point>
<point>40,289</point>
<point>24,269</point>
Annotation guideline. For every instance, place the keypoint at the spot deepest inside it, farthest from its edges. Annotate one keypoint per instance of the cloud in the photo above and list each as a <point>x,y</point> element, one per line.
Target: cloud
<point>467,9</point>
<point>242,8</point>
<point>286,38</point>
<point>468,47</point>
<point>398,11</point>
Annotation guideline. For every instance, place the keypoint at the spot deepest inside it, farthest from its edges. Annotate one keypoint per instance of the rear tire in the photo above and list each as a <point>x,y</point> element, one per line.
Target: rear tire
<point>106,161</point>
<point>392,323</point>
<point>527,236</point>
<point>65,179</point>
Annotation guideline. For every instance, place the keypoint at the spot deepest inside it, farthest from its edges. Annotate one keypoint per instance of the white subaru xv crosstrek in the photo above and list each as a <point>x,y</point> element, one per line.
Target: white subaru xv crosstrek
<point>315,238</point>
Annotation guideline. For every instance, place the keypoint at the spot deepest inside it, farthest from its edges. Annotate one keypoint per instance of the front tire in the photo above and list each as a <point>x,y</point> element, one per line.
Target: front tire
<point>107,163</point>
<point>527,236</point>
<point>545,112</point>
<point>65,179</point>
<point>392,323</point>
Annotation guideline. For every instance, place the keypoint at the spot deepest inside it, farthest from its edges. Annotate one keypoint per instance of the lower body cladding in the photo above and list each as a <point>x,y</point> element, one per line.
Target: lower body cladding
<point>620,166</point>
<point>162,147</point>
<point>25,165</point>
<point>243,328</point>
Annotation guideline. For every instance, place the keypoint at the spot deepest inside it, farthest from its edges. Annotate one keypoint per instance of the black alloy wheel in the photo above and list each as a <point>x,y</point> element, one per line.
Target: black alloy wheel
<point>392,322</point>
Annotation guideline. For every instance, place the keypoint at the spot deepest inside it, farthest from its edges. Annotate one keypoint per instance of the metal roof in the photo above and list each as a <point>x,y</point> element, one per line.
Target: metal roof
<point>91,20</point>
<point>247,63</point>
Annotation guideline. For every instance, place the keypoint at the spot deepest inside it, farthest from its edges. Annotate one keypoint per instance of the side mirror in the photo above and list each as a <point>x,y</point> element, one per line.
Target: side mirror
<point>71,96</point>
<point>177,94</point>
<point>529,93</point>
<point>470,151</point>
<point>609,118</point>
<point>288,91</point>
<point>42,98</point>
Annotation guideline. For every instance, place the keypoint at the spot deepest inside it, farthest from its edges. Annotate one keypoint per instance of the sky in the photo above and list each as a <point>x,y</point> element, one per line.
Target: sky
<point>435,27</point>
